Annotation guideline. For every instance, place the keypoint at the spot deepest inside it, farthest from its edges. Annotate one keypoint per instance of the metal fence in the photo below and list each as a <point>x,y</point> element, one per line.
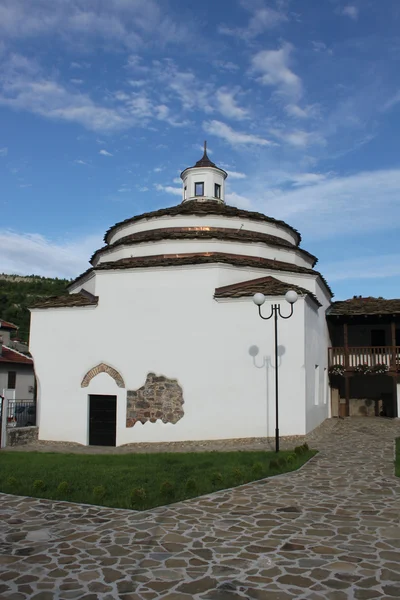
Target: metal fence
<point>21,413</point>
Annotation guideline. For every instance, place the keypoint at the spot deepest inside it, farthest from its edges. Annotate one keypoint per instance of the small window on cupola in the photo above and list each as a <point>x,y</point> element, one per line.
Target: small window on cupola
<point>199,188</point>
<point>185,192</point>
<point>217,190</point>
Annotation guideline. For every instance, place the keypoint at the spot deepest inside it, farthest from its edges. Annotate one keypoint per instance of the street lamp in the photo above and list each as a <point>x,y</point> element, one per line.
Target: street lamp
<point>259,299</point>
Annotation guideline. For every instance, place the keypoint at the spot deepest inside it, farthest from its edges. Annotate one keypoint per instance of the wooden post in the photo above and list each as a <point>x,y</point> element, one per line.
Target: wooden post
<point>347,393</point>
<point>393,332</point>
<point>346,345</point>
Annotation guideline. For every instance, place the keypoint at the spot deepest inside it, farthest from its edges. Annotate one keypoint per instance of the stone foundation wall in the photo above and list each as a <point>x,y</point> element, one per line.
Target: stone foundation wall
<point>19,436</point>
<point>159,398</point>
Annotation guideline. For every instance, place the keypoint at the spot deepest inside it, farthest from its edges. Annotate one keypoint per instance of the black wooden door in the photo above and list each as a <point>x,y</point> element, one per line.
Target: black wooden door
<point>102,420</point>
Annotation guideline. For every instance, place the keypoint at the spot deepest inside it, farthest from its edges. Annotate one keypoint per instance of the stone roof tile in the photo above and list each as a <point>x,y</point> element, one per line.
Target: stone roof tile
<point>203,209</point>
<point>269,286</point>
<point>365,306</point>
<point>206,233</point>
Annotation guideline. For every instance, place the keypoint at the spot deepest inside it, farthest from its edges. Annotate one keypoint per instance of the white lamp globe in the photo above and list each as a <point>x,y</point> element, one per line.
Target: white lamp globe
<point>259,299</point>
<point>291,296</point>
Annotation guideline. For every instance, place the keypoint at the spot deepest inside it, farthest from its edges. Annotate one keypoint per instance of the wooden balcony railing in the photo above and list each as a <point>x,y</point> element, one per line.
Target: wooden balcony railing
<point>365,355</point>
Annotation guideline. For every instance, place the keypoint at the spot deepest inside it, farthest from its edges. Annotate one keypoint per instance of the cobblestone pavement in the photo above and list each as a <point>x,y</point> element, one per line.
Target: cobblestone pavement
<point>329,531</point>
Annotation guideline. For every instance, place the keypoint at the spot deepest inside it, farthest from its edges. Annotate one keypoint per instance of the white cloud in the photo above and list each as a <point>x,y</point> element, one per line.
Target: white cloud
<point>158,169</point>
<point>392,101</point>
<point>238,200</point>
<point>233,137</point>
<point>105,153</point>
<point>300,179</point>
<point>27,253</point>
<point>76,81</point>
<point>273,66</point>
<point>227,104</point>
<point>119,22</point>
<point>169,189</point>
<point>24,87</point>
<point>225,65</point>
<point>263,18</point>
<point>177,180</point>
<point>236,175</point>
<point>350,11</point>
<point>306,112</point>
<point>339,206</point>
<point>25,185</point>
<point>367,267</point>
<point>3,151</point>
<point>298,138</point>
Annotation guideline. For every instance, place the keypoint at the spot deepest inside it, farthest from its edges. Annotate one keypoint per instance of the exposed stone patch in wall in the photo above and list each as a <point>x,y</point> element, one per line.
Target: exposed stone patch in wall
<point>103,368</point>
<point>159,398</point>
<point>19,436</point>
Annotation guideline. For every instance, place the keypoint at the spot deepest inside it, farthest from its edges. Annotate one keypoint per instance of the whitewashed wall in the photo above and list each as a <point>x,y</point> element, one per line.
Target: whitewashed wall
<point>166,321</point>
<point>206,221</point>
<point>212,245</point>
<point>316,365</point>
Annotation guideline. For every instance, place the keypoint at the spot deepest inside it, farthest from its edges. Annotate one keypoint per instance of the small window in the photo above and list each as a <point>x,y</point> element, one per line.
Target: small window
<point>184,192</point>
<point>199,189</point>
<point>12,379</point>
<point>217,190</point>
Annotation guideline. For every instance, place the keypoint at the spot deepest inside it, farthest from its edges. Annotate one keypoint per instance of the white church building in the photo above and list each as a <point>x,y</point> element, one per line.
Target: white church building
<point>160,340</point>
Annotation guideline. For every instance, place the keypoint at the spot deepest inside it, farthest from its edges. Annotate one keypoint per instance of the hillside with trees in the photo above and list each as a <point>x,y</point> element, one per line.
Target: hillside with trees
<point>18,293</point>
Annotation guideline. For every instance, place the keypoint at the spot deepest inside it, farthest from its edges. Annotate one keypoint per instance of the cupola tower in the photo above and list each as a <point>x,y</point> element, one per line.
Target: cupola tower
<point>204,181</point>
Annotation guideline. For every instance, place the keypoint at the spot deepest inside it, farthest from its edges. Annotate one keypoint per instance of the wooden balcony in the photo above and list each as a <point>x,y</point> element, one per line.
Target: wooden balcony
<point>352,356</point>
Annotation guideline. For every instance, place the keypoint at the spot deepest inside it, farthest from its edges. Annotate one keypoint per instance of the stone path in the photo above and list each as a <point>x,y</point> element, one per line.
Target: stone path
<point>329,531</point>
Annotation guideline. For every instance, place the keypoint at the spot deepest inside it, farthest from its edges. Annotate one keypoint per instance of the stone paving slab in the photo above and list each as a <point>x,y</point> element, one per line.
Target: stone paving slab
<point>329,531</point>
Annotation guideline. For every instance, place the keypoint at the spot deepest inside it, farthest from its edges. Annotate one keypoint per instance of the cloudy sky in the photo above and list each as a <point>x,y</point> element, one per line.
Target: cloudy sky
<point>104,102</point>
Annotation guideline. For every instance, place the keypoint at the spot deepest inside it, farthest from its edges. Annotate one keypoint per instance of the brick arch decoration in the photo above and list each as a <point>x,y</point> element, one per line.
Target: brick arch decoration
<point>103,368</point>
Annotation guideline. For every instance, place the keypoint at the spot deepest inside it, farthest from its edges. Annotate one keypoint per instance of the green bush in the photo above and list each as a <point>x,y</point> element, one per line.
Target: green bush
<point>299,450</point>
<point>167,489</point>
<point>138,496</point>
<point>238,474</point>
<point>63,488</point>
<point>291,459</point>
<point>257,470</point>
<point>39,485</point>
<point>282,462</point>
<point>217,479</point>
<point>99,491</point>
<point>274,465</point>
<point>12,481</point>
<point>306,447</point>
<point>191,486</point>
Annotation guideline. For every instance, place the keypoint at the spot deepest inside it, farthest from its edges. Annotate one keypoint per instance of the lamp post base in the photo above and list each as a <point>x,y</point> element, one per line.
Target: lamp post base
<point>276,440</point>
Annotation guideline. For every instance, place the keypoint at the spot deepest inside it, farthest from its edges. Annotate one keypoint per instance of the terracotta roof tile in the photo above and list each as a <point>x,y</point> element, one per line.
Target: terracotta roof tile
<point>365,306</point>
<point>68,301</point>
<point>269,286</point>
<point>190,233</point>
<point>11,356</point>
<point>203,209</point>
<point>7,325</point>
<point>167,260</point>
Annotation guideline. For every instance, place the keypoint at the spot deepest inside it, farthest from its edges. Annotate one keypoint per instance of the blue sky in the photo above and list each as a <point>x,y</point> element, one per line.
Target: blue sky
<point>104,102</point>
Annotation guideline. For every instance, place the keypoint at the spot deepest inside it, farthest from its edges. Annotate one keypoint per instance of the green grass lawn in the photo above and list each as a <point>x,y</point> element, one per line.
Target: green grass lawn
<point>397,460</point>
<point>138,481</point>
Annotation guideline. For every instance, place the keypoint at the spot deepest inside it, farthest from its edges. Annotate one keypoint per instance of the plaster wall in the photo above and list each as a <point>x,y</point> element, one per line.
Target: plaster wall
<point>209,177</point>
<point>316,340</point>
<point>212,245</point>
<point>167,322</point>
<point>203,221</point>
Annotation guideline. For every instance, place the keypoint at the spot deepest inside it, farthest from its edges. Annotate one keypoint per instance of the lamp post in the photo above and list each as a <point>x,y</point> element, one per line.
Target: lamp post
<point>259,299</point>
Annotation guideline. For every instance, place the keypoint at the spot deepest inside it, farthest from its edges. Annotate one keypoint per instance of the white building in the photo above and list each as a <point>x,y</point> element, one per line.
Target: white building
<point>160,340</point>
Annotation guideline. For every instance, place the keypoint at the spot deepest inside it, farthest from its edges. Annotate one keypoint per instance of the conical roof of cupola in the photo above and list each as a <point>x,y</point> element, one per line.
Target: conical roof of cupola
<point>205,161</point>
